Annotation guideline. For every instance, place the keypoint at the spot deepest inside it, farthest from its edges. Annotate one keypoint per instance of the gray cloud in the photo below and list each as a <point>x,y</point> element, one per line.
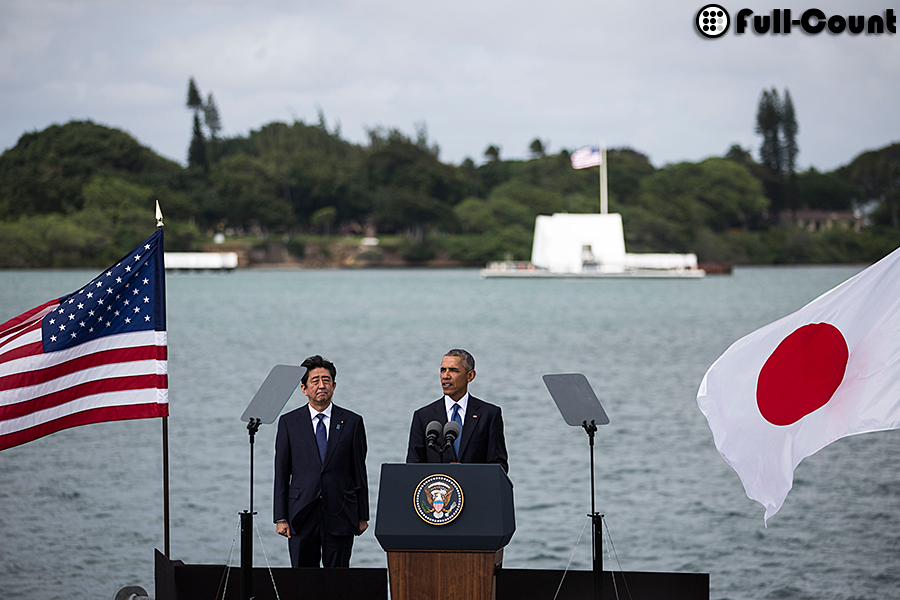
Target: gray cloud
<point>572,73</point>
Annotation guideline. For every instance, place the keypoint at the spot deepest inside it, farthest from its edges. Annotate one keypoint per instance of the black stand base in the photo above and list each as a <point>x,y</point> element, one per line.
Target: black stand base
<point>597,531</point>
<point>246,555</point>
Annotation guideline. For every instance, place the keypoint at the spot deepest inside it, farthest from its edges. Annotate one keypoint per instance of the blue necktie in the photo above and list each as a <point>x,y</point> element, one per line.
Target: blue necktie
<point>321,436</point>
<point>456,418</point>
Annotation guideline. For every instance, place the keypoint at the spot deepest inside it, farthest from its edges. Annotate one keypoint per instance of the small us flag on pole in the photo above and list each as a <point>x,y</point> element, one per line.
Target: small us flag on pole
<point>586,157</point>
<point>98,354</point>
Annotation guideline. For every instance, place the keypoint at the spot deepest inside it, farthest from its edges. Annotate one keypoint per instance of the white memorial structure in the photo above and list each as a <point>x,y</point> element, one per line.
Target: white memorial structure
<point>590,245</point>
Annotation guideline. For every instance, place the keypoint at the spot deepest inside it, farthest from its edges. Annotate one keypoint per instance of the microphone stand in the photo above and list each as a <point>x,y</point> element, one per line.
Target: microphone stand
<point>596,519</point>
<point>447,444</point>
<point>440,449</point>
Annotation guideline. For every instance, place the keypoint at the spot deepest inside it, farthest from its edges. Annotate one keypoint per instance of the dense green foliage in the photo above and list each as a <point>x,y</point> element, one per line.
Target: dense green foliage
<point>82,194</point>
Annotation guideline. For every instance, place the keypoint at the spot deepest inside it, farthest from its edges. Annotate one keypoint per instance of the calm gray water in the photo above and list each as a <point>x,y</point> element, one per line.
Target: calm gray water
<point>81,510</point>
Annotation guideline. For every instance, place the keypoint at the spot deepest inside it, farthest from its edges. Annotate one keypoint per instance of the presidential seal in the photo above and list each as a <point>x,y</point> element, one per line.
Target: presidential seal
<point>438,499</point>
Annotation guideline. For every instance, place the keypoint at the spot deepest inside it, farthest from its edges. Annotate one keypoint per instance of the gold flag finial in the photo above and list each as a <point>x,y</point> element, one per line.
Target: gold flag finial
<point>159,222</point>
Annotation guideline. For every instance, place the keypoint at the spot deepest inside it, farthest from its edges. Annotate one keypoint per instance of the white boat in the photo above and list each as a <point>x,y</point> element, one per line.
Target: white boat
<point>201,261</point>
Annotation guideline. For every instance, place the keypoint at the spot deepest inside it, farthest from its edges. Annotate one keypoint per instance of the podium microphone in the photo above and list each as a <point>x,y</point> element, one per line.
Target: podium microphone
<point>451,433</point>
<point>432,433</point>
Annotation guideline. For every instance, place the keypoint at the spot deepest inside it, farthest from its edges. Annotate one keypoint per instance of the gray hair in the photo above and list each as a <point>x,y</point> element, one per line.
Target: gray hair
<point>467,359</point>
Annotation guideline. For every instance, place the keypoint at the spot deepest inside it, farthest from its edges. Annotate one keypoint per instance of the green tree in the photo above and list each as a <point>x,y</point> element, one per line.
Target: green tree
<point>776,122</point>
<point>211,117</point>
<point>537,148</point>
<point>492,153</point>
<point>825,191</point>
<point>679,201</point>
<point>197,151</point>
<point>739,155</point>
<point>877,175</point>
<point>194,101</point>
<point>246,194</point>
<point>626,169</point>
<point>46,171</point>
<point>789,129</point>
<point>214,124</point>
<point>324,219</point>
<point>410,186</point>
<point>768,125</point>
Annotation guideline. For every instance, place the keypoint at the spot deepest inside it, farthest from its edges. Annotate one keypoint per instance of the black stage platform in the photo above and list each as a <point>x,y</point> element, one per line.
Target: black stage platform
<point>178,581</point>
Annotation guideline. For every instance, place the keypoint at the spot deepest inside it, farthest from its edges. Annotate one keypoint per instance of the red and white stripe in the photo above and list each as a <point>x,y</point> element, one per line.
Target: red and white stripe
<point>586,157</point>
<point>117,377</point>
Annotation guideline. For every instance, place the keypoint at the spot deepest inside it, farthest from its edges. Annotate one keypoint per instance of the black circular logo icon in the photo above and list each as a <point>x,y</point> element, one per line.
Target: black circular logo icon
<point>713,20</point>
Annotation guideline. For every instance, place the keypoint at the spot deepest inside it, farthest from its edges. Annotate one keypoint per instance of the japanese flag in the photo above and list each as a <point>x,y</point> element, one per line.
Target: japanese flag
<point>829,370</point>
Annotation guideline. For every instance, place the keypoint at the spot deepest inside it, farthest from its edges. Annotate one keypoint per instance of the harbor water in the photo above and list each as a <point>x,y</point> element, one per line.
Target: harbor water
<point>81,510</point>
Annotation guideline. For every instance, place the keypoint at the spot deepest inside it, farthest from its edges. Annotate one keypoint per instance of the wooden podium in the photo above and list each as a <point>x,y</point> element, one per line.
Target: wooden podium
<point>444,550</point>
<point>451,575</point>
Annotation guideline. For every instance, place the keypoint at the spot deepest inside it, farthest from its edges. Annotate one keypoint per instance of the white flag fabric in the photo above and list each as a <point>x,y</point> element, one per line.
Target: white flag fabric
<point>829,370</point>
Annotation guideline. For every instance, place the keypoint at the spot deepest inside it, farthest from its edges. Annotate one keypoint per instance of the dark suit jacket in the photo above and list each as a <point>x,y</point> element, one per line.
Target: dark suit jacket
<point>300,476</point>
<point>481,441</point>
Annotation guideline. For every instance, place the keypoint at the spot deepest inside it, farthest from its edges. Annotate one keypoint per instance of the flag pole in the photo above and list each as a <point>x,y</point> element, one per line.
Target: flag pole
<point>165,444</point>
<point>165,441</point>
<point>603,195</point>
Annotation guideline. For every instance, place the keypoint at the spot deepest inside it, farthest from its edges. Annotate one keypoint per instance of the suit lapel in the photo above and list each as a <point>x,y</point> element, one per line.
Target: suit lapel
<point>473,410</point>
<point>334,431</point>
<point>304,425</point>
<point>439,412</point>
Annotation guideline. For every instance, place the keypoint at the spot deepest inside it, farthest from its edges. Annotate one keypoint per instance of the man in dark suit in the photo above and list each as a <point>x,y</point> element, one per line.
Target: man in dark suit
<point>321,488</point>
<point>481,440</point>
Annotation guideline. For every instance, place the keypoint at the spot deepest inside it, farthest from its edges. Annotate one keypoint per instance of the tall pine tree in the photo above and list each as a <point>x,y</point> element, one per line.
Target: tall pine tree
<point>211,117</point>
<point>768,124</point>
<point>197,150</point>
<point>194,101</point>
<point>776,122</point>
<point>789,130</point>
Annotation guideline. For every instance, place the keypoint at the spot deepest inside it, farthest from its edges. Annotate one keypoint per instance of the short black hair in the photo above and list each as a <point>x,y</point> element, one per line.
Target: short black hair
<point>317,362</point>
<point>467,359</point>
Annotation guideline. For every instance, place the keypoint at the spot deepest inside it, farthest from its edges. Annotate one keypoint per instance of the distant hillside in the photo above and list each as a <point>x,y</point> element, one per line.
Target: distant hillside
<point>82,194</point>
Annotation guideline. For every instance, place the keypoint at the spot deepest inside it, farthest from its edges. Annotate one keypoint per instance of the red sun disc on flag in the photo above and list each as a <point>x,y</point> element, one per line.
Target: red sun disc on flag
<point>802,374</point>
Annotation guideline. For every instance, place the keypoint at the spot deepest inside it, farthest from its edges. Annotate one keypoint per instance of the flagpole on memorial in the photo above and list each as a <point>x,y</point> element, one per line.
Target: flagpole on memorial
<point>603,195</point>
<point>165,435</point>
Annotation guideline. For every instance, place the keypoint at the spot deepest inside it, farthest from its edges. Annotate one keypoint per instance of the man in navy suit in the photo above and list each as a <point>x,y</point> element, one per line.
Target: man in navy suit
<point>481,440</point>
<point>321,488</point>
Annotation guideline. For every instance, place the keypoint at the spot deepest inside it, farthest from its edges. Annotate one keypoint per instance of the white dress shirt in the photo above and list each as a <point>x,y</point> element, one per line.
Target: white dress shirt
<point>463,404</point>
<point>326,421</point>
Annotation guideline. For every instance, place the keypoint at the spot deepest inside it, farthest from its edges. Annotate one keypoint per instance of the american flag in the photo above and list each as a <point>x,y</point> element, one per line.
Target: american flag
<point>588,156</point>
<point>98,354</point>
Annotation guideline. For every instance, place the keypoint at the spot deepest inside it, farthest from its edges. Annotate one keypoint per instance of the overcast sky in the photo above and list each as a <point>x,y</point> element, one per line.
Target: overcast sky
<point>570,72</point>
